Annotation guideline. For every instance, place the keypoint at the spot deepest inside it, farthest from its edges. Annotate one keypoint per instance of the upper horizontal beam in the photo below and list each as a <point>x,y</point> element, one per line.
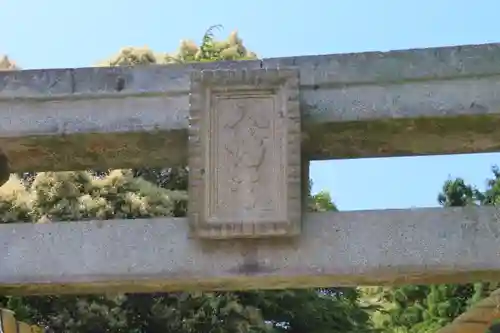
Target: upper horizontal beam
<point>435,245</point>
<point>353,105</point>
<point>319,70</point>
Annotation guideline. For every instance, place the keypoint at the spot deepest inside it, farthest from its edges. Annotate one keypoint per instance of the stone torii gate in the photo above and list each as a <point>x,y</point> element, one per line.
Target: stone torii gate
<point>248,130</point>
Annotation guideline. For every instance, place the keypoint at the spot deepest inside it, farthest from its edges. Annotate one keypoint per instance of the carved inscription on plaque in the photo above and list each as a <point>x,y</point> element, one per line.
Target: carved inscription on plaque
<point>244,154</point>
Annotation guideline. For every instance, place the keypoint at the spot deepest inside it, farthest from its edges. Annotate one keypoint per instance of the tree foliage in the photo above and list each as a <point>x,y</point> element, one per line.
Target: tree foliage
<point>6,64</point>
<point>209,49</point>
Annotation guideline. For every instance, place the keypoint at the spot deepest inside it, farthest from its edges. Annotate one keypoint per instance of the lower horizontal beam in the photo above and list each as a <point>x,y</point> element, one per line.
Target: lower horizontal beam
<point>431,245</point>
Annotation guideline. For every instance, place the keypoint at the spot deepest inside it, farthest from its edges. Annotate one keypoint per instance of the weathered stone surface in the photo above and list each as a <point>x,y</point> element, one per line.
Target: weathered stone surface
<point>244,154</point>
<point>324,70</point>
<point>93,133</point>
<point>36,83</point>
<point>412,102</point>
<point>434,245</point>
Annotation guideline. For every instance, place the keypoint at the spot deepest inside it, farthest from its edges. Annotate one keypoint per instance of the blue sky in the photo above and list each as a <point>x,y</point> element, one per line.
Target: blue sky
<point>57,33</point>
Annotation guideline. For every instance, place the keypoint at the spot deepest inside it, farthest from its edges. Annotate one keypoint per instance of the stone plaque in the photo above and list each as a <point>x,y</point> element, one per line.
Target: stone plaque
<point>244,154</point>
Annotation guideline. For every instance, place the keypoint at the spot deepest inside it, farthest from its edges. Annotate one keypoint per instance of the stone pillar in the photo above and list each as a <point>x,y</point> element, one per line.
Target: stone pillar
<point>244,154</point>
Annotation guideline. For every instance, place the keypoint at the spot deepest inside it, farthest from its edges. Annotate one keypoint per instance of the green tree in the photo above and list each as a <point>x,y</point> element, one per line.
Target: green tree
<point>6,64</point>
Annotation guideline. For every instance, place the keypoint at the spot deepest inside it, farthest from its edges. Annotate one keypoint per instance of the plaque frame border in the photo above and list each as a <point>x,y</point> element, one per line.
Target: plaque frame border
<point>282,84</point>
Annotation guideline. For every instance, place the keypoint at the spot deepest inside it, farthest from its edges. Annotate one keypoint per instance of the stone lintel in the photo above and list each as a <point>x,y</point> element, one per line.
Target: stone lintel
<point>358,105</point>
<point>388,247</point>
